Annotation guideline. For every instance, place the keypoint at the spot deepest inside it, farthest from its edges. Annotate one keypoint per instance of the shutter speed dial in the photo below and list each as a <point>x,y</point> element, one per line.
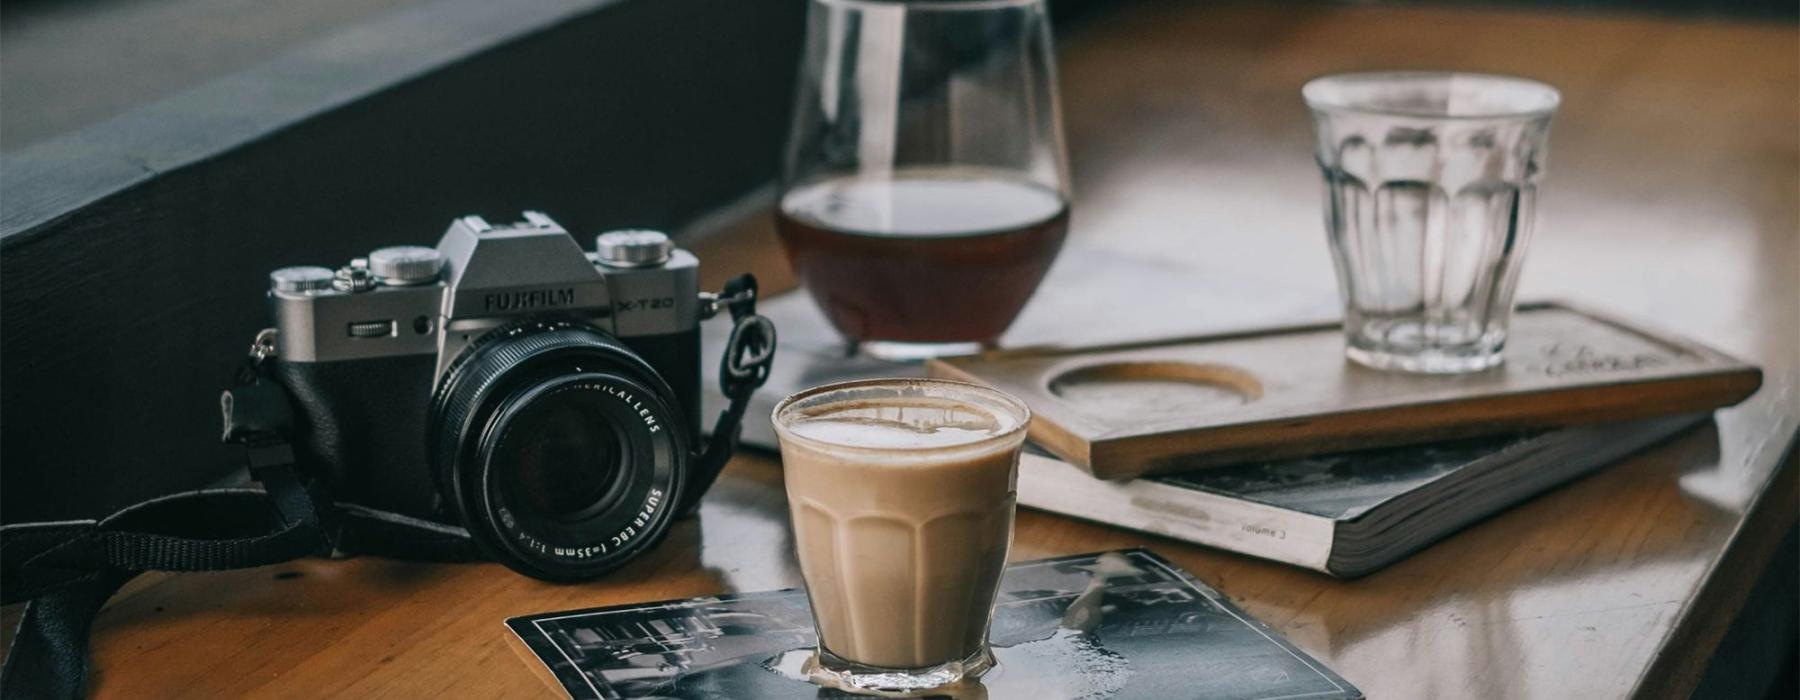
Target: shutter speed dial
<point>633,248</point>
<point>406,266</point>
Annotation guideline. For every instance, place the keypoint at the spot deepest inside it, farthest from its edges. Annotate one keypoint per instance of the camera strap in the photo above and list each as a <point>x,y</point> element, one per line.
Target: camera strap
<point>65,571</point>
<point>749,354</point>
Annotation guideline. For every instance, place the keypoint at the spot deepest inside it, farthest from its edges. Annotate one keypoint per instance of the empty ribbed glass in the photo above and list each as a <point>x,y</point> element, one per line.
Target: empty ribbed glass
<point>1430,196</point>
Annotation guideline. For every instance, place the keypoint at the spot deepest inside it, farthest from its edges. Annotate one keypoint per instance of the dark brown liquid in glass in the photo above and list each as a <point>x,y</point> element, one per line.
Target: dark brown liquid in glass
<point>940,256</point>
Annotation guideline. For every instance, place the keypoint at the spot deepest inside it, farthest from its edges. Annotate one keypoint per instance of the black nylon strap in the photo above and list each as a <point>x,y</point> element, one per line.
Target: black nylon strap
<point>67,570</point>
<point>749,354</point>
<point>378,533</point>
<point>211,530</point>
<point>49,651</point>
<point>195,531</point>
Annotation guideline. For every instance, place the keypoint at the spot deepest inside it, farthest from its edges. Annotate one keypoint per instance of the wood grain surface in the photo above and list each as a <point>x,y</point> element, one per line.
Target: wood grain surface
<point>1168,406</point>
<point>1671,196</point>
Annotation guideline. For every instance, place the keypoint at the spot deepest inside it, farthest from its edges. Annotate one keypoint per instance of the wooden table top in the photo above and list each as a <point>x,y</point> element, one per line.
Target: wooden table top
<point>1671,196</point>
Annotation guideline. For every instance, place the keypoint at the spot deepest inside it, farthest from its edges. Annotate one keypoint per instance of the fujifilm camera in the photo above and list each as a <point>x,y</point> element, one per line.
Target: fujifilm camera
<point>544,397</point>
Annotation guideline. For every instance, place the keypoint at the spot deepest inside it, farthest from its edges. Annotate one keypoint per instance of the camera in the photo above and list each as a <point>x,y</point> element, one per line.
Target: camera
<point>544,397</point>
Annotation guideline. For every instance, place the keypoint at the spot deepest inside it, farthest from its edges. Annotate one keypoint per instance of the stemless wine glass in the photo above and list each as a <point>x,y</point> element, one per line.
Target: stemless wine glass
<point>924,191</point>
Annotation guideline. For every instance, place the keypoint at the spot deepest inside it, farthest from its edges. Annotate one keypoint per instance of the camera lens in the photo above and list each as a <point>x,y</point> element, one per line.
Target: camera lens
<point>559,449</point>
<point>567,461</point>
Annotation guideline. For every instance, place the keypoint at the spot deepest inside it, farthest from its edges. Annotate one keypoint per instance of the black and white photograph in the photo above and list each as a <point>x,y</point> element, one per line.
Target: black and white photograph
<point>1146,629</point>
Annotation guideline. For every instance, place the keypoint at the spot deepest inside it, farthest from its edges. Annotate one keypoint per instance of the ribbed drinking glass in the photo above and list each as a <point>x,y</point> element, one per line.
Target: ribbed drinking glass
<point>1431,186</point>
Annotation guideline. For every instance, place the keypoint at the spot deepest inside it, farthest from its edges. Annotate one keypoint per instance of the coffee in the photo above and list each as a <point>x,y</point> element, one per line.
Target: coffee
<point>902,494</point>
<point>922,256</point>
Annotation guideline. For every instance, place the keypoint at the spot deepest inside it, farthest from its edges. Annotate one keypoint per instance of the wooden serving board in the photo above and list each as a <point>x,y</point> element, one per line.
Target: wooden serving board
<point>1143,408</point>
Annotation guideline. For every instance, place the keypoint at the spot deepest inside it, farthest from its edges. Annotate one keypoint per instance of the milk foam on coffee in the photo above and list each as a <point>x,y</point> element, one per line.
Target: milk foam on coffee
<point>903,512</point>
<point>901,424</point>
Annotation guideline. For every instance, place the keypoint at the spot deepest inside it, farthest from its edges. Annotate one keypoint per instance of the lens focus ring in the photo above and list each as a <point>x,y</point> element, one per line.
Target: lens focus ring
<point>527,416</point>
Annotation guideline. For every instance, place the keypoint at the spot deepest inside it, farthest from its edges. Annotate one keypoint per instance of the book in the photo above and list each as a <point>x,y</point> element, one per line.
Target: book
<point>1345,514</point>
<point>1120,625</point>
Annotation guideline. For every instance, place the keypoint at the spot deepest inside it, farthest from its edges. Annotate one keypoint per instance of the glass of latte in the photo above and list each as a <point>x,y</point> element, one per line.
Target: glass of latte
<point>902,493</point>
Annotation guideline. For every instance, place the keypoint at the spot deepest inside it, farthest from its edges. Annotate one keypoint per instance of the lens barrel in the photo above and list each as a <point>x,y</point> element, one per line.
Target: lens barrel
<point>561,450</point>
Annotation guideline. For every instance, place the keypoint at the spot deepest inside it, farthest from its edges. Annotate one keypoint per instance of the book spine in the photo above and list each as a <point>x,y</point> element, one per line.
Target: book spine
<point>1171,511</point>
